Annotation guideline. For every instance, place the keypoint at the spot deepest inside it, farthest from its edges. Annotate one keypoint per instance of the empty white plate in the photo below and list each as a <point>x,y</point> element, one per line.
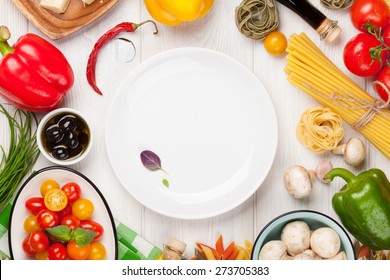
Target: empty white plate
<point>209,120</point>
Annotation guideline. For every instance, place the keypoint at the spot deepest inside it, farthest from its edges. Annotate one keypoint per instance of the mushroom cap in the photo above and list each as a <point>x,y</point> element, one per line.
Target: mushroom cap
<point>297,181</point>
<point>355,151</point>
<point>273,250</point>
<point>296,236</point>
<point>325,242</point>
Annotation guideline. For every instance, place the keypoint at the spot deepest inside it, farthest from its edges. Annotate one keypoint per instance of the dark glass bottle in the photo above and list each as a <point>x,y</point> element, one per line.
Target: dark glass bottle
<point>328,29</point>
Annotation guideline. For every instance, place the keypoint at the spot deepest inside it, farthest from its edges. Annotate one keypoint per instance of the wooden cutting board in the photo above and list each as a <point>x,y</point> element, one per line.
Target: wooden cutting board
<point>55,25</point>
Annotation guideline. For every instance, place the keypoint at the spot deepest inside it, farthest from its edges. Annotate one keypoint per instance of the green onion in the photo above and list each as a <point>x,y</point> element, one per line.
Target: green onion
<point>22,153</point>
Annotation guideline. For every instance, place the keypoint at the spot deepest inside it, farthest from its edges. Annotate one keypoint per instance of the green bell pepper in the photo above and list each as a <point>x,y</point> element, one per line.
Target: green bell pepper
<point>363,206</point>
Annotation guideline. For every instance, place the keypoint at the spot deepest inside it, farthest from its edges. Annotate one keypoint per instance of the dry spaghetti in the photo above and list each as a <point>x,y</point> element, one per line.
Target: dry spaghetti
<point>310,70</point>
<point>320,129</point>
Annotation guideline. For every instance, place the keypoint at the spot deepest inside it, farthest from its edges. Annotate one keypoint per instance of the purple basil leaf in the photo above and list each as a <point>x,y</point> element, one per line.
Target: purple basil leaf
<point>150,160</point>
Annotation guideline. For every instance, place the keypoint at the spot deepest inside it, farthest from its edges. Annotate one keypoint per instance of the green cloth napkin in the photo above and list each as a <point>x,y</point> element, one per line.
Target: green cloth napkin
<point>131,246</point>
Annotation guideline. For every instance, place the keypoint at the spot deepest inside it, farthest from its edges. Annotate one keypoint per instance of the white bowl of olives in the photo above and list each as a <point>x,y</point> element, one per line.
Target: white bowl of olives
<point>64,136</point>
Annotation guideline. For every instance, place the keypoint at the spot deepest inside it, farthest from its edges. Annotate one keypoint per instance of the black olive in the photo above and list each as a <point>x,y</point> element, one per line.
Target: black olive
<point>83,138</point>
<point>76,151</point>
<point>54,134</point>
<point>72,140</point>
<point>60,152</point>
<point>68,123</point>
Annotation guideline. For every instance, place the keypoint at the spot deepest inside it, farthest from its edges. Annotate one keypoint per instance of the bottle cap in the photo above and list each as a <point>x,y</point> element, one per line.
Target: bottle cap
<point>329,30</point>
<point>333,34</point>
<point>176,245</point>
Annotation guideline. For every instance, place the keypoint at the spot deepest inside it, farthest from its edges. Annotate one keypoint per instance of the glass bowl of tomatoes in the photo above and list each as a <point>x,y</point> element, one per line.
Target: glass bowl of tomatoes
<point>59,214</point>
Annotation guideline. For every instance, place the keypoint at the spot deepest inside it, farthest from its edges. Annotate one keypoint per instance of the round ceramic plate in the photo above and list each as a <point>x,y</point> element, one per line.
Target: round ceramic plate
<point>63,175</point>
<point>210,122</point>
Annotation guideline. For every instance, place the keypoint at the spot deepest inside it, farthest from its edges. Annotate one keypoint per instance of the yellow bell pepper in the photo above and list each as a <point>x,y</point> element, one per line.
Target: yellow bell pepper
<point>175,12</point>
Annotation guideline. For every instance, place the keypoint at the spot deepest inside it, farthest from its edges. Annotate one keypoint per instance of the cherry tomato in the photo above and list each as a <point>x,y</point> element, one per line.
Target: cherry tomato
<point>98,251</point>
<point>70,221</point>
<point>26,246</point>
<point>47,218</point>
<point>275,43</point>
<point>376,12</point>
<point>35,204</point>
<point>39,242</point>
<point>384,79</point>
<point>42,256</point>
<point>56,200</point>
<point>31,224</point>
<point>48,185</point>
<point>78,252</point>
<point>386,35</point>
<point>94,226</point>
<point>57,251</point>
<point>65,212</point>
<point>364,55</point>
<point>83,209</point>
<point>72,190</point>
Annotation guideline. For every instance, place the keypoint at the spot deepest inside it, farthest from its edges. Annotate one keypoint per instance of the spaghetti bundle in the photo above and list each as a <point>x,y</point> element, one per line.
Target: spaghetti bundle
<point>310,70</point>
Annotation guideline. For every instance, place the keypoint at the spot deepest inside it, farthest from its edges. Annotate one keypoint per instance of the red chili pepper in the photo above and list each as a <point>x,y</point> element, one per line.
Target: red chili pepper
<point>34,74</point>
<point>108,36</point>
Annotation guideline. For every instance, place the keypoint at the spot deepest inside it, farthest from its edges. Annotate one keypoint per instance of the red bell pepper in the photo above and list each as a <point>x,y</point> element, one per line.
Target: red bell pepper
<point>34,74</point>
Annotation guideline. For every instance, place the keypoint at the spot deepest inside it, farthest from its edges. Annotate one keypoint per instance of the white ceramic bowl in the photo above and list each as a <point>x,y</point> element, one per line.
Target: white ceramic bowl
<point>40,134</point>
<point>273,229</point>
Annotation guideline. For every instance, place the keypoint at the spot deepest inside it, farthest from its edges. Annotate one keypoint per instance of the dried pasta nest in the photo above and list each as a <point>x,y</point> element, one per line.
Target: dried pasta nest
<point>337,4</point>
<point>320,129</point>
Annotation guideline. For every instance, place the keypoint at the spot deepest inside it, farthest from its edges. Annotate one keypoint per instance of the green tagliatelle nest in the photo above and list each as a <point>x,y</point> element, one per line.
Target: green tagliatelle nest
<point>257,18</point>
<point>337,4</point>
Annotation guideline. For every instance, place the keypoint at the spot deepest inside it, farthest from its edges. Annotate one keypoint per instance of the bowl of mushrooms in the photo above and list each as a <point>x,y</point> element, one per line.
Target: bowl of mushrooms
<point>303,235</point>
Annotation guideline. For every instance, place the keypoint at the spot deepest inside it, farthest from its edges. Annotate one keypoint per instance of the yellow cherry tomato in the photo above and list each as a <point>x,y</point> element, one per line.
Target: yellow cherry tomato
<point>55,200</point>
<point>48,185</point>
<point>31,224</point>
<point>98,251</point>
<point>82,208</point>
<point>275,43</point>
<point>42,256</point>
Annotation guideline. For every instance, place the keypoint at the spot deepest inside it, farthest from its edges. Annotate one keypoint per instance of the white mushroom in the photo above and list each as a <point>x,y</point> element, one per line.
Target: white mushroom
<point>325,242</point>
<point>298,180</point>
<point>339,257</point>
<point>354,151</point>
<point>312,254</point>
<point>296,236</point>
<point>303,257</point>
<point>273,250</point>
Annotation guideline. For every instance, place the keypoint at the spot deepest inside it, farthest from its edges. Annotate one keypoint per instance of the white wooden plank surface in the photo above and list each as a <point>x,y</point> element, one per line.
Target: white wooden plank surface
<point>216,31</point>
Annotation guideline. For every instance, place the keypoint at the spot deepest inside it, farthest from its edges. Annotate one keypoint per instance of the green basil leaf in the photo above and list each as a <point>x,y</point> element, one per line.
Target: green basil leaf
<point>60,232</point>
<point>82,236</point>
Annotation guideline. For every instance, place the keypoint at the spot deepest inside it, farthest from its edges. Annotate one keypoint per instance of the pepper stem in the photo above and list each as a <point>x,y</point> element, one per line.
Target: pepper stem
<point>5,34</point>
<point>136,25</point>
<point>345,174</point>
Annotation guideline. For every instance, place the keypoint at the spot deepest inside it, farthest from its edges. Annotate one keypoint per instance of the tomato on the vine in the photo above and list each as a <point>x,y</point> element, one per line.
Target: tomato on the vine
<point>72,190</point>
<point>70,221</point>
<point>56,199</point>
<point>375,12</point>
<point>78,252</point>
<point>364,55</point>
<point>57,251</point>
<point>275,43</point>
<point>94,226</point>
<point>35,204</point>
<point>382,84</point>
<point>47,185</point>
<point>47,218</point>
<point>38,241</point>
<point>386,36</point>
<point>83,209</point>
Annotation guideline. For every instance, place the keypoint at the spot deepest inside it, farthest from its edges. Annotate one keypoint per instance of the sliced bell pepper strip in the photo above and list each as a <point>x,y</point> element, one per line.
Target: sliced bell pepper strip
<point>208,252</point>
<point>229,250</point>
<point>219,245</point>
<point>233,255</point>
<point>213,251</point>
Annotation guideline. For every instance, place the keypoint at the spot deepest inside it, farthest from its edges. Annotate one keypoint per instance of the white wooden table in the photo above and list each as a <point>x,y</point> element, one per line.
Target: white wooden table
<point>216,31</point>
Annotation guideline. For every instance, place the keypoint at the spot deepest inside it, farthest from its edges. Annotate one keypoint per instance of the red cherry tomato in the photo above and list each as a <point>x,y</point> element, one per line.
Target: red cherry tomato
<point>35,204</point>
<point>47,218</point>
<point>384,79</point>
<point>364,55</point>
<point>94,226</point>
<point>57,251</point>
<point>70,221</point>
<point>376,12</point>
<point>386,35</point>
<point>26,246</point>
<point>72,190</point>
<point>39,241</point>
<point>65,212</point>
